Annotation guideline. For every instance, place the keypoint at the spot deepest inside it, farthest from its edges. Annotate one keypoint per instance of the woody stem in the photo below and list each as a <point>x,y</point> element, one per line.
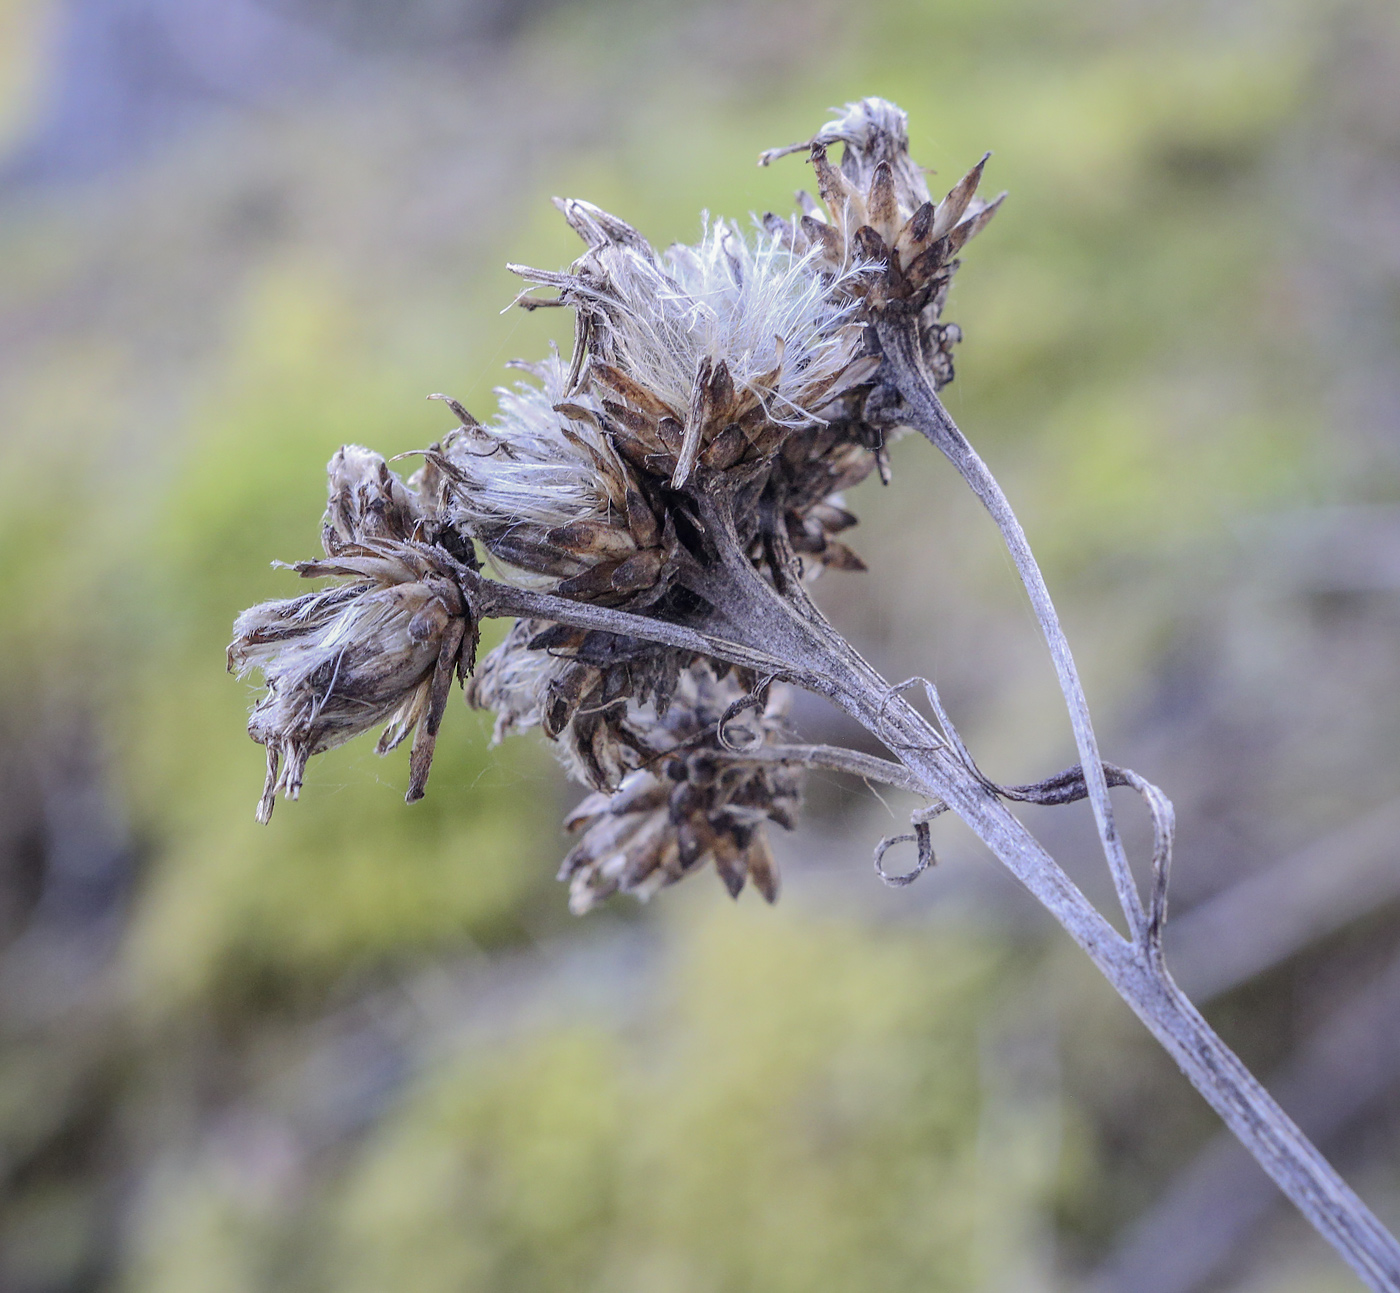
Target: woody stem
<point>767,633</point>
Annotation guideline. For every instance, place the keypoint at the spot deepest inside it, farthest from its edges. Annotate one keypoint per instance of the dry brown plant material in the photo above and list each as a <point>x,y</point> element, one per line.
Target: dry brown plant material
<point>657,510</point>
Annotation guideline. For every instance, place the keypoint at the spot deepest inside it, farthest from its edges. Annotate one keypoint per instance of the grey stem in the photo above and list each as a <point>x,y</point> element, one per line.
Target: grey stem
<point>1135,969</point>
<point>1205,1217</point>
<point>836,759</point>
<point>1137,976</point>
<point>924,411</point>
<point>489,599</point>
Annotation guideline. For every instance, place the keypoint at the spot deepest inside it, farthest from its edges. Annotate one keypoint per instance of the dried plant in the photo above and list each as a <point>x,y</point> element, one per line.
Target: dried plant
<point>656,510</point>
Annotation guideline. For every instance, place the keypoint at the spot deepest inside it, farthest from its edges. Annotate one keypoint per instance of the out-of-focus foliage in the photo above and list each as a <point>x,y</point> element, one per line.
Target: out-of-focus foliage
<point>801,1112</point>
<point>365,1047</point>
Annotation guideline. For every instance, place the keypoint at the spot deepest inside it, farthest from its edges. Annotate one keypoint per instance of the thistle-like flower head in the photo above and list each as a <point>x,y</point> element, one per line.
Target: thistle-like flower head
<point>703,356</point>
<point>380,647</point>
<point>695,801</point>
<point>548,495</point>
<point>596,694</point>
<point>687,466</point>
<point>875,133</point>
<point>876,211</point>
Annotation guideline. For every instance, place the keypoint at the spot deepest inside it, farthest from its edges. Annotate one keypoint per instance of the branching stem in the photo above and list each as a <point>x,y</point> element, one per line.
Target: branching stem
<point>924,411</point>
<point>836,759</point>
<point>1137,974</point>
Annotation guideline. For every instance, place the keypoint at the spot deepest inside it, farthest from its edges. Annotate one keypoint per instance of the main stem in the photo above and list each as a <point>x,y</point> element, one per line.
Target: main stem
<point>1213,1068</point>
<point>787,637</point>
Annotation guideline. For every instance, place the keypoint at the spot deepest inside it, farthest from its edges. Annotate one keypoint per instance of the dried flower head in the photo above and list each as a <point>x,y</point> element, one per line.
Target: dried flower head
<point>366,502</point>
<point>696,801</point>
<point>719,400</point>
<point>878,213</point>
<point>381,647</point>
<point>593,693</point>
<point>703,356</point>
<point>547,494</point>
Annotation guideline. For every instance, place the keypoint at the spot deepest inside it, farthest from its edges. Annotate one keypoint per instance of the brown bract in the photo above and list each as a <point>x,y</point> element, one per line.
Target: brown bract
<point>599,695</point>
<point>547,493</point>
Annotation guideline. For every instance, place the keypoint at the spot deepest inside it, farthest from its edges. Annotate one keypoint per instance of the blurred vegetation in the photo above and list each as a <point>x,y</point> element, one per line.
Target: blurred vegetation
<point>572,1158</point>
<point>365,1047</point>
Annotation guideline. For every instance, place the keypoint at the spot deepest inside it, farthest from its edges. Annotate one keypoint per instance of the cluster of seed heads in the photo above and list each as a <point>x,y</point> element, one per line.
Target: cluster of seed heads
<point>652,513</point>
<point>746,369</point>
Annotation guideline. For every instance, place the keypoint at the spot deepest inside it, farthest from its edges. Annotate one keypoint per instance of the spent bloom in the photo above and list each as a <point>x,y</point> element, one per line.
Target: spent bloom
<point>695,801</point>
<point>547,494</point>
<point>379,647</point>
<point>876,210</point>
<point>706,354</point>
<point>596,694</point>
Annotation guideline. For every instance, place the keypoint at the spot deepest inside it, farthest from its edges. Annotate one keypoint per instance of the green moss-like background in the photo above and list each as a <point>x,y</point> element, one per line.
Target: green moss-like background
<point>365,1048</point>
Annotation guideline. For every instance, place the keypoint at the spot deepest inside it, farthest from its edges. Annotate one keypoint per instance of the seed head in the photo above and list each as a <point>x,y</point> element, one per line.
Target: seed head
<point>547,494</point>
<point>706,355</point>
<point>366,502</point>
<point>696,802</point>
<point>720,399</point>
<point>876,212</point>
<point>380,647</point>
<point>596,694</point>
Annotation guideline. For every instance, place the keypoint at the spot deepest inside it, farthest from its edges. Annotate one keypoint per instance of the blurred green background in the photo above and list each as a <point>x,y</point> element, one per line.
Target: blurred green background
<point>365,1048</point>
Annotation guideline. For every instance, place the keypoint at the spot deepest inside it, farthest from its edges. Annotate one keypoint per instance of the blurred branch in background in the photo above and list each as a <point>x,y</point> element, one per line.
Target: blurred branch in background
<point>1263,920</point>
<point>67,873</point>
<point>131,76</point>
<point>128,76</point>
<point>69,866</point>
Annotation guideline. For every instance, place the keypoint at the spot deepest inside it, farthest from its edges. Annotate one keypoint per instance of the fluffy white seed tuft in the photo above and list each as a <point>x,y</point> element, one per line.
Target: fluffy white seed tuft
<point>533,465</point>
